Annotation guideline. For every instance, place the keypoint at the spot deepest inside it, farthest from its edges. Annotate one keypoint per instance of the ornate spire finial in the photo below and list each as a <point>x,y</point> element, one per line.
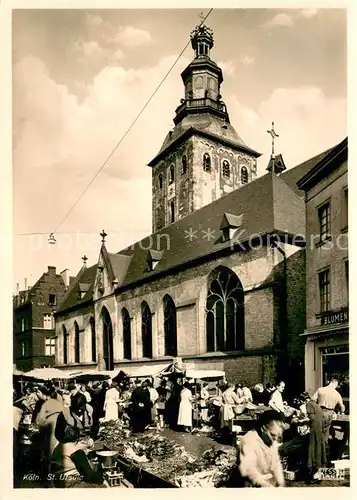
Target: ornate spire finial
<point>273,135</point>
<point>103,234</point>
<point>84,258</point>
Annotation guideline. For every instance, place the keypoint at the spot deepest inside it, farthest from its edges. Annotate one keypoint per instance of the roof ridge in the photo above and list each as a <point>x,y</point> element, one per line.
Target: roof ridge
<point>71,286</point>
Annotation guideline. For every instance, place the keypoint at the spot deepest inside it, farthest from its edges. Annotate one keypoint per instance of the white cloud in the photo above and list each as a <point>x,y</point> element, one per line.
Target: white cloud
<point>300,116</point>
<point>309,13</point>
<point>88,49</point>
<point>92,20</point>
<point>228,67</point>
<point>247,60</point>
<point>132,37</point>
<point>281,19</point>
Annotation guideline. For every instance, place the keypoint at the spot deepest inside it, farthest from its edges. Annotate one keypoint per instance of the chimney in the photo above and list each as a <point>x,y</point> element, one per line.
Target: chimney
<point>25,288</point>
<point>65,277</point>
<point>51,270</point>
<point>17,288</point>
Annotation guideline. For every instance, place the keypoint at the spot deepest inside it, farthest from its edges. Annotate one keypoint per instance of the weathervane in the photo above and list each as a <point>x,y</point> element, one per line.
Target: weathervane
<point>273,135</point>
<point>103,234</point>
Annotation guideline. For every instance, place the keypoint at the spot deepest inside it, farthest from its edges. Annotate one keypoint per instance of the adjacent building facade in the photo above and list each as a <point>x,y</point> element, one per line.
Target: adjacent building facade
<point>221,281</point>
<point>327,300</point>
<point>34,338</point>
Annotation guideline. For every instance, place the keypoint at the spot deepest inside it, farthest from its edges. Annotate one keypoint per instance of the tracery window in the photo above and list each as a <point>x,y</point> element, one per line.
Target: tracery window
<point>170,326</point>
<point>126,333</point>
<point>184,164</point>
<point>172,174</point>
<point>224,311</point>
<point>146,330</point>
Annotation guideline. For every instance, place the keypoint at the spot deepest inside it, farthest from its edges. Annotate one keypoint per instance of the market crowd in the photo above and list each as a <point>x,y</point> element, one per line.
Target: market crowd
<point>68,419</point>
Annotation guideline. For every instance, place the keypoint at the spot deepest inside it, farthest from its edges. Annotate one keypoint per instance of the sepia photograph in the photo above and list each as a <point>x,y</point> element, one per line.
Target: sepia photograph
<point>180,281</point>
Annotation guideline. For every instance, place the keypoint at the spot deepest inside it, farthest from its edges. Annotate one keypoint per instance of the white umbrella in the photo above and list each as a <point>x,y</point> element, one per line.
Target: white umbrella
<point>47,374</point>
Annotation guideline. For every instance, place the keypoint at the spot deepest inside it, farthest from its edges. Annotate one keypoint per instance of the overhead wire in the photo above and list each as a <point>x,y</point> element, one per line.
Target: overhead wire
<point>204,18</point>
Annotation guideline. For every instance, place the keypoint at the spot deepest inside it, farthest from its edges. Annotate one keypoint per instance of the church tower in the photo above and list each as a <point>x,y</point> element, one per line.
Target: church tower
<point>202,157</point>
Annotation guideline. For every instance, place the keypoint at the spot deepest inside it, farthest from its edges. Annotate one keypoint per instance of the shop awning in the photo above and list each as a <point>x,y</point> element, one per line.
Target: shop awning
<point>145,371</point>
<point>204,374</point>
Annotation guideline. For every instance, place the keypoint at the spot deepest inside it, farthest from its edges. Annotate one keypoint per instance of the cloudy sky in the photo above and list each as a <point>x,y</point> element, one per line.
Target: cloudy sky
<point>81,76</point>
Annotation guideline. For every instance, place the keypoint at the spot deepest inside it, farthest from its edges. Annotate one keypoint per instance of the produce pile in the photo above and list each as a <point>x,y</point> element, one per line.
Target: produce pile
<point>168,460</point>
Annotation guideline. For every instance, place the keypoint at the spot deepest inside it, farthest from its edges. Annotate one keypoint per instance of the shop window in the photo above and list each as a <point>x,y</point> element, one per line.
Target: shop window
<point>224,312</point>
<point>206,162</point>
<point>184,164</point>
<point>244,175</point>
<point>50,346</point>
<point>335,364</point>
<point>324,217</point>
<point>226,168</point>
<point>324,288</point>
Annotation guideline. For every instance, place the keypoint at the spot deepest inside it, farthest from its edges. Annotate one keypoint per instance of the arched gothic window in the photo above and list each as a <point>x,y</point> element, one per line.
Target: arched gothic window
<point>244,175</point>
<point>226,168</point>
<point>170,326</point>
<point>93,338</point>
<point>108,347</point>
<point>126,333</point>
<point>172,174</point>
<point>172,212</point>
<point>184,164</point>
<point>206,162</point>
<point>77,346</point>
<point>65,345</point>
<point>224,311</point>
<point>146,330</point>
<point>160,181</point>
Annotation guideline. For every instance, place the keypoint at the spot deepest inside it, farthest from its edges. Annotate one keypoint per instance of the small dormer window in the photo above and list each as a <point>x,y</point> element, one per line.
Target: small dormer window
<point>184,164</point>
<point>153,258</point>
<point>226,168</point>
<point>172,174</point>
<point>206,162</point>
<point>160,181</point>
<point>230,224</point>
<point>244,175</point>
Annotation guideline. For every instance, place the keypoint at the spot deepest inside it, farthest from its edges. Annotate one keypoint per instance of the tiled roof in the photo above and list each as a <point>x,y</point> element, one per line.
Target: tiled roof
<point>292,175</point>
<point>268,204</point>
<point>84,279</point>
<point>198,234</point>
<point>209,125</point>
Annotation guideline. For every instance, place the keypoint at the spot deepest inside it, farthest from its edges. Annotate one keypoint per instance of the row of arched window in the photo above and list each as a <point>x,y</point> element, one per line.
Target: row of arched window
<point>226,170</point>
<point>224,323</point>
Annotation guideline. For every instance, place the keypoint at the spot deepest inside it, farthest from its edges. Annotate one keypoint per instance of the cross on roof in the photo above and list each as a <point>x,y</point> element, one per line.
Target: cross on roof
<point>103,234</point>
<point>84,258</point>
<point>273,135</point>
<point>201,16</point>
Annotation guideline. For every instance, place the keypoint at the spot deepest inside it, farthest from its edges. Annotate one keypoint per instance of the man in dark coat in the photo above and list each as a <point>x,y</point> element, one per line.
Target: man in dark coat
<point>140,408</point>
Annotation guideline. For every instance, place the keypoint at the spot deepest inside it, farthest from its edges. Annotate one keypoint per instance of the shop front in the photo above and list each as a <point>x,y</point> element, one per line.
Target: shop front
<point>327,354</point>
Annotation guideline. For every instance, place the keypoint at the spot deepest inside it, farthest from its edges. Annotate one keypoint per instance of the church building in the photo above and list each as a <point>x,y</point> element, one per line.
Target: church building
<point>220,282</point>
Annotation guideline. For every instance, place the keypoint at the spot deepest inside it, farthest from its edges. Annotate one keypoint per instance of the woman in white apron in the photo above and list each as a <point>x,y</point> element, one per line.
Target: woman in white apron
<point>111,403</point>
<point>185,409</point>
